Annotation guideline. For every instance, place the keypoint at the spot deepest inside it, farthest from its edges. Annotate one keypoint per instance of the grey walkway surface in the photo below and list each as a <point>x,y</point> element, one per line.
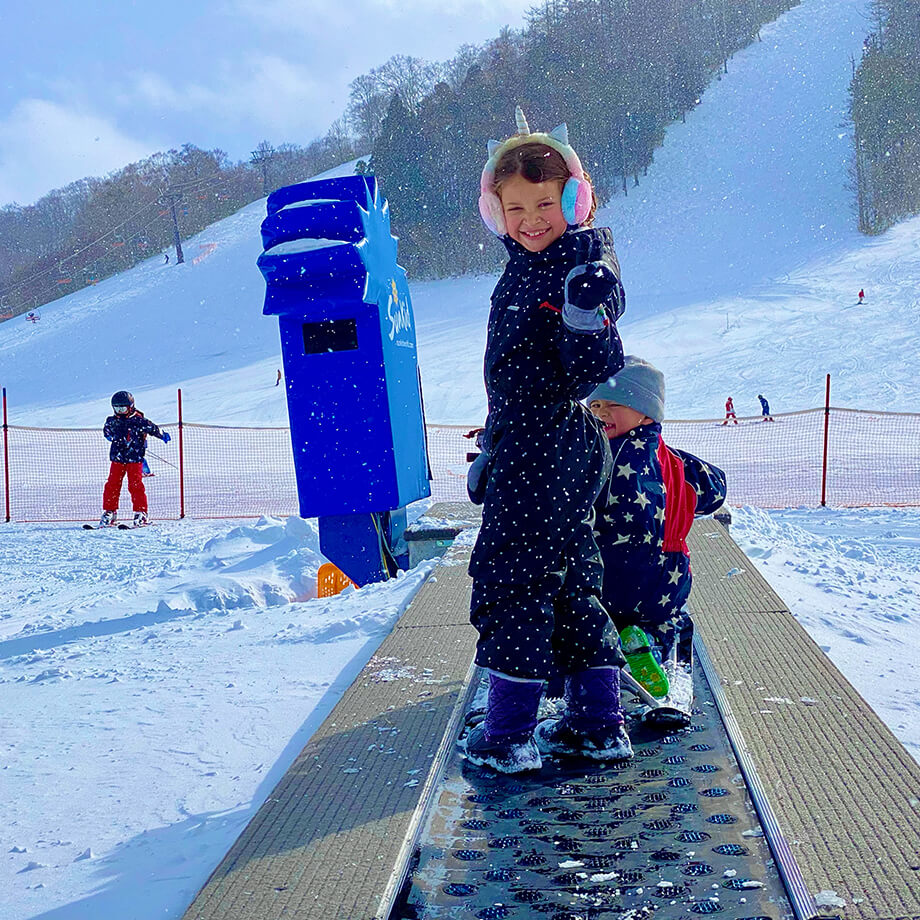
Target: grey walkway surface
<point>844,790</point>
<point>670,835</point>
<point>334,838</point>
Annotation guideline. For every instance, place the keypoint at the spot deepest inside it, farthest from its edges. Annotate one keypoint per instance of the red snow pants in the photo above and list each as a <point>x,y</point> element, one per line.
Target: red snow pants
<point>112,489</point>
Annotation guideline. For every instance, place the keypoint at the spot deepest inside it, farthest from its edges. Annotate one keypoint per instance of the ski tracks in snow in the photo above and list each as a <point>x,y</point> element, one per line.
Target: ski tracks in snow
<point>852,579</point>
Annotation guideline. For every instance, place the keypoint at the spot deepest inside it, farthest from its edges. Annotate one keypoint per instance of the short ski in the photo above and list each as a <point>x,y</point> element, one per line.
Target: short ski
<point>669,712</point>
<point>116,526</point>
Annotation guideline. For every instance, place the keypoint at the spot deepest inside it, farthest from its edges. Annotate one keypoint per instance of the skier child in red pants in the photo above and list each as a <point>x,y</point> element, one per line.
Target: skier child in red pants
<point>127,429</point>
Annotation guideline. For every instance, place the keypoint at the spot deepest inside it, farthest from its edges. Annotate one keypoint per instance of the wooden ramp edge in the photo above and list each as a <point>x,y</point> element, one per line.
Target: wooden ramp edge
<point>844,790</point>
<point>324,844</point>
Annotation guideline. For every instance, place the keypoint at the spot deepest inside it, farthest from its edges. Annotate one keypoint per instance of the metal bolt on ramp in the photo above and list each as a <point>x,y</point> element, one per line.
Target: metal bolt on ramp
<point>671,834</point>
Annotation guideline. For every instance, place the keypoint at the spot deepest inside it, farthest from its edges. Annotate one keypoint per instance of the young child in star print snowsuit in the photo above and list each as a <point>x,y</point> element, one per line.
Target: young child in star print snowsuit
<point>535,566</point>
<point>646,508</point>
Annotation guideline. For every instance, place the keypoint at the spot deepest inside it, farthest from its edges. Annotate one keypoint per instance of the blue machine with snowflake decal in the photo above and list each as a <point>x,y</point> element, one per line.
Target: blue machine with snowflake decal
<point>350,366</point>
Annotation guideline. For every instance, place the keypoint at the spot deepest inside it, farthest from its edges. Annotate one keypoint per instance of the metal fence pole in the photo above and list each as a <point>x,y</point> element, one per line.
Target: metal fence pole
<point>6,461</point>
<point>181,461</point>
<point>827,420</point>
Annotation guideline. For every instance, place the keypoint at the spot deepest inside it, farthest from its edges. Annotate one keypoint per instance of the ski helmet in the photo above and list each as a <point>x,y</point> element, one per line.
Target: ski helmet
<point>123,398</point>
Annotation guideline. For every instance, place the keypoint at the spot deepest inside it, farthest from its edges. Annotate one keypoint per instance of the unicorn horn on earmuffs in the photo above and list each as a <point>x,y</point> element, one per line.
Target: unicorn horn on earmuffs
<point>576,193</point>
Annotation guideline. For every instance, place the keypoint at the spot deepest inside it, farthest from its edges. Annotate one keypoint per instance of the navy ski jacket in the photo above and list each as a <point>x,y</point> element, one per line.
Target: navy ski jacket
<point>643,515</point>
<point>546,452</point>
<point>128,434</point>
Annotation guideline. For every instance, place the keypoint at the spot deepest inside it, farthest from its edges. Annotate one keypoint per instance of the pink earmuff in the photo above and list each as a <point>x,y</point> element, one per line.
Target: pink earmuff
<point>576,193</point>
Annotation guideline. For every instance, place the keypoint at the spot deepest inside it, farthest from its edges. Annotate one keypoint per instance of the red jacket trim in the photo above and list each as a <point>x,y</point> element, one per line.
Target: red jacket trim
<point>680,501</point>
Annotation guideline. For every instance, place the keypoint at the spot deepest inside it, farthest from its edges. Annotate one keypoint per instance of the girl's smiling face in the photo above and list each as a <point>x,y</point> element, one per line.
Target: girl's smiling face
<point>533,211</point>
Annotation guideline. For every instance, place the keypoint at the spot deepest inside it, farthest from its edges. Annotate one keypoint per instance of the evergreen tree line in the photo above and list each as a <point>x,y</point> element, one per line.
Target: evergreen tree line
<point>96,227</point>
<point>885,109</point>
<point>616,71</point>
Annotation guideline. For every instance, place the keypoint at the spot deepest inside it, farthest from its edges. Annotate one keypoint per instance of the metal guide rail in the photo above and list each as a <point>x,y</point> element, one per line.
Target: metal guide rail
<point>671,834</point>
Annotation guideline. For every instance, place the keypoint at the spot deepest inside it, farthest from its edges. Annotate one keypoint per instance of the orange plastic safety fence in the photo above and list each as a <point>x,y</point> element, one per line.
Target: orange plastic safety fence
<point>768,464</point>
<point>58,473</point>
<point>238,472</point>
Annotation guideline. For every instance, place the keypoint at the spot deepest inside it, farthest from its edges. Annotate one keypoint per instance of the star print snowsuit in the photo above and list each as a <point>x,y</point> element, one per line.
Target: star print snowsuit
<point>644,513</point>
<point>535,566</point>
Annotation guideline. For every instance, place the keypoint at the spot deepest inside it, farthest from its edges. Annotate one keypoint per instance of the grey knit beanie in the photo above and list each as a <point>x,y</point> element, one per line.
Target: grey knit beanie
<point>639,385</point>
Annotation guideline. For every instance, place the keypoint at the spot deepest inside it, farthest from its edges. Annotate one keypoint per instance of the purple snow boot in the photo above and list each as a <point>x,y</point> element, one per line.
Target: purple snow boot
<point>504,739</point>
<point>592,725</point>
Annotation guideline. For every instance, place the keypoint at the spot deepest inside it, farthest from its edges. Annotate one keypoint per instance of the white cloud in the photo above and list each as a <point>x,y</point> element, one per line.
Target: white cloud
<point>361,30</point>
<point>260,92</point>
<point>45,145</point>
<point>279,70</point>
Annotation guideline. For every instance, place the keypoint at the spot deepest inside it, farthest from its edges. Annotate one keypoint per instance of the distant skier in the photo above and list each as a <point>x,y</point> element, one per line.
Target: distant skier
<point>166,258</point>
<point>730,411</point>
<point>33,317</point>
<point>278,380</point>
<point>862,295</point>
<point>127,429</point>
<point>765,409</point>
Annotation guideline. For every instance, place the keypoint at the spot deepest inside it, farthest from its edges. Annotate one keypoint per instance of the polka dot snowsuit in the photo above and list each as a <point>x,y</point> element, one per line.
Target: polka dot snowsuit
<point>536,568</point>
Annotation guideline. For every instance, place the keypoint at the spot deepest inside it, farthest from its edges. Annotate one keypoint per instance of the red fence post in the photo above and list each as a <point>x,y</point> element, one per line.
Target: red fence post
<point>181,462</point>
<point>827,419</point>
<point>6,461</point>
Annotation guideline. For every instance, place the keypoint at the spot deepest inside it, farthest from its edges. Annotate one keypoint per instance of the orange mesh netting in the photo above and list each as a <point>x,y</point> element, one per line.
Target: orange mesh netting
<point>57,474</point>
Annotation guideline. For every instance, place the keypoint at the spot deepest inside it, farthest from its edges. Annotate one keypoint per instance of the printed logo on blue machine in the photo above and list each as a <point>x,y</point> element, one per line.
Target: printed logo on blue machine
<point>400,317</point>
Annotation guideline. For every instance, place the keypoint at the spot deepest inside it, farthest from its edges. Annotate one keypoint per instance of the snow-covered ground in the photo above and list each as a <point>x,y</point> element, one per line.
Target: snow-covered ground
<point>154,685</point>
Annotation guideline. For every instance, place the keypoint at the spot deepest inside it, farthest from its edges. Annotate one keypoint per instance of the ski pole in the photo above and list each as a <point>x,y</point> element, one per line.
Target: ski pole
<point>162,460</point>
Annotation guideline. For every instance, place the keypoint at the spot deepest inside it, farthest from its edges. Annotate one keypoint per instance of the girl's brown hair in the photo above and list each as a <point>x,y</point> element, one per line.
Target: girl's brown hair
<point>538,163</point>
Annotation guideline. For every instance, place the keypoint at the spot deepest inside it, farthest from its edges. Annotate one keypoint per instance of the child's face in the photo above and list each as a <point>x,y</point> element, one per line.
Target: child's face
<point>533,211</point>
<point>617,419</point>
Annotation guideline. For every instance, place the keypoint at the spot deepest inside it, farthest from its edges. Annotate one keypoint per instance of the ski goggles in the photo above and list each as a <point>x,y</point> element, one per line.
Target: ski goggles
<point>122,410</point>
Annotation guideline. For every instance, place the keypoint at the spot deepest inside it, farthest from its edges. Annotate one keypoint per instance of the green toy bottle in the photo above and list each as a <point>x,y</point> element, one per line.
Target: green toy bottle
<point>642,663</point>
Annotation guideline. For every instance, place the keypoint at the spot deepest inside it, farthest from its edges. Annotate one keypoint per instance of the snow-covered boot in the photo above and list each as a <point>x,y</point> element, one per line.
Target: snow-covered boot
<point>140,518</point>
<point>675,710</point>
<point>108,519</point>
<point>592,725</point>
<point>504,739</point>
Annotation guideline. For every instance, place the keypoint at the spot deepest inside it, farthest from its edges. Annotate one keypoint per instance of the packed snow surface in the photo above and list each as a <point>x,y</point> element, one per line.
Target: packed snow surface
<point>156,684</point>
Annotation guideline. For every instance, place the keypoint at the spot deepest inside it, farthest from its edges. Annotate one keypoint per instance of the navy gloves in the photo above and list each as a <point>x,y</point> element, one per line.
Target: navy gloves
<point>589,288</point>
<point>590,285</point>
<point>166,437</point>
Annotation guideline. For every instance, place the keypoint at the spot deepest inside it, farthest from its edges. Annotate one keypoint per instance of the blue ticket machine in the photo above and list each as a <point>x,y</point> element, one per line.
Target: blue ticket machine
<point>350,366</point>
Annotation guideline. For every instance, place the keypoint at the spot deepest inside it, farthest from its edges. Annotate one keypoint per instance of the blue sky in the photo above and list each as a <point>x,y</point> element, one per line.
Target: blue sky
<point>89,87</point>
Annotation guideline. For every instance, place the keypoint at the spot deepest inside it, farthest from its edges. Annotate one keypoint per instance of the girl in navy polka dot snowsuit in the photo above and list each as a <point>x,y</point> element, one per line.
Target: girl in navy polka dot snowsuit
<point>536,568</point>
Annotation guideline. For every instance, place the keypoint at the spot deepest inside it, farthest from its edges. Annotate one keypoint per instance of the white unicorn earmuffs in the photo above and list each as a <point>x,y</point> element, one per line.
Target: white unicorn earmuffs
<point>576,193</point>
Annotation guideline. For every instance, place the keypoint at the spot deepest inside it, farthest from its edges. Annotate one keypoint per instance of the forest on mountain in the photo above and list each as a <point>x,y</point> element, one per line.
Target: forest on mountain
<point>617,71</point>
<point>97,227</point>
<point>885,110</point>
